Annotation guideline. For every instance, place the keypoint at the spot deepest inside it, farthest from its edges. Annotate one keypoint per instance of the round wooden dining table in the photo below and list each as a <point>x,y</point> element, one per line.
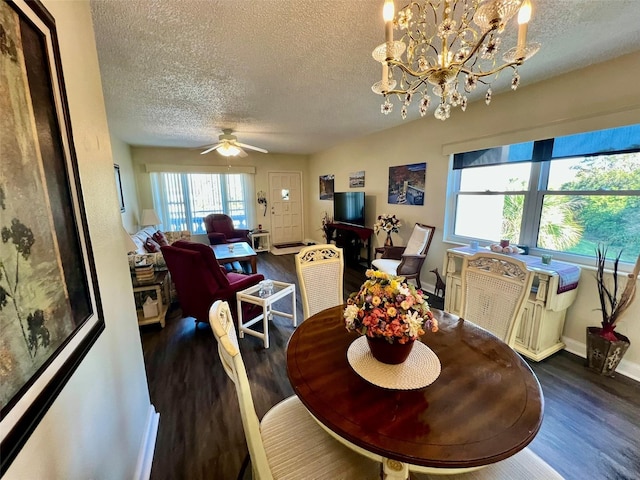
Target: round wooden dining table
<point>485,405</point>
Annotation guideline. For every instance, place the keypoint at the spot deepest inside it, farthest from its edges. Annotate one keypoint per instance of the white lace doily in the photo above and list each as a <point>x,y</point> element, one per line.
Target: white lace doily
<point>420,369</point>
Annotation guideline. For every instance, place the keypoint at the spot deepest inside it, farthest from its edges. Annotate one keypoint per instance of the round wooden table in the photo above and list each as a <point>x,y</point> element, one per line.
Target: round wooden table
<point>485,406</point>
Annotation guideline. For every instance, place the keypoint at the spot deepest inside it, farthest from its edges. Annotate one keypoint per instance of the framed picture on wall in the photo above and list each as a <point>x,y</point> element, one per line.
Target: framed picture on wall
<point>50,312</point>
<point>356,179</point>
<point>406,184</point>
<point>326,187</point>
<point>116,169</point>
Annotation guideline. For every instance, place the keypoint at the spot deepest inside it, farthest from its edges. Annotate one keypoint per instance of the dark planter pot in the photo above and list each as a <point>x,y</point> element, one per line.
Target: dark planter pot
<point>603,356</point>
<point>390,353</point>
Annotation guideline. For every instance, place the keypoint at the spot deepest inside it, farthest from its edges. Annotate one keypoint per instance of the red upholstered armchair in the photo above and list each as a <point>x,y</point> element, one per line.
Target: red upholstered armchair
<point>220,229</point>
<point>200,280</point>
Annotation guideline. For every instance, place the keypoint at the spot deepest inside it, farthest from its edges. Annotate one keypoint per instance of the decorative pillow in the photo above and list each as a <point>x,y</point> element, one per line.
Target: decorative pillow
<point>151,246</point>
<point>417,241</point>
<point>160,238</point>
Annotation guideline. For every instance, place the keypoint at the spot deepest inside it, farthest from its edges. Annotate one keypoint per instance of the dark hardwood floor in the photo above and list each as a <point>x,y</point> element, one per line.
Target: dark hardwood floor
<point>591,427</point>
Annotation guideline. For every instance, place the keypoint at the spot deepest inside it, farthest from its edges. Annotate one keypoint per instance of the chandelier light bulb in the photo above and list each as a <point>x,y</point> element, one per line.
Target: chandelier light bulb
<point>524,14</point>
<point>388,11</point>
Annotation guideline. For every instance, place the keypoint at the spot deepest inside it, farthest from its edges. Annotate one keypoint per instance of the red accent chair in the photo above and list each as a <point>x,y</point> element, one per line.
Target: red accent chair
<point>200,280</point>
<point>220,229</point>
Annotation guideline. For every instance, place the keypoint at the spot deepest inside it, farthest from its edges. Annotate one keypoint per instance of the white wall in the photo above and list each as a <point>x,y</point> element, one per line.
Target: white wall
<point>589,99</point>
<point>95,427</point>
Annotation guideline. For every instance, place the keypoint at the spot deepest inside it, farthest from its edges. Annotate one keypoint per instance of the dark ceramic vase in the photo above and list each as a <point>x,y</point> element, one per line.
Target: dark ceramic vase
<point>390,353</point>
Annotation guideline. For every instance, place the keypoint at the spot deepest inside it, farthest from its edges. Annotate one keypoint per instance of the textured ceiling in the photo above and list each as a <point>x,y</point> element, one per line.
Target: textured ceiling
<point>295,76</point>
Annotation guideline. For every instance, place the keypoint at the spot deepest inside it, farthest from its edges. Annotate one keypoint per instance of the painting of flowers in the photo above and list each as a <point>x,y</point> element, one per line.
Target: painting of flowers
<point>49,311</point>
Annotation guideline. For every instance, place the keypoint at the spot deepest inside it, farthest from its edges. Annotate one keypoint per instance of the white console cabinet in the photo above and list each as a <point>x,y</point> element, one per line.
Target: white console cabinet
<point>539,332</point>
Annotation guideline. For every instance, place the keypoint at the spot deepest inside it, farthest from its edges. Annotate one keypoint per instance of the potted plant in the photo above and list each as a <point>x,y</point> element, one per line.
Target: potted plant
<point>391,313</point>
<point>326,231</point>
<point>605,346</point>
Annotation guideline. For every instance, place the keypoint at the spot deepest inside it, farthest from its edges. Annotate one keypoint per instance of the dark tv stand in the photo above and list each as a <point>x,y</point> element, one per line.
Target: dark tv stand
<point>352,239</point>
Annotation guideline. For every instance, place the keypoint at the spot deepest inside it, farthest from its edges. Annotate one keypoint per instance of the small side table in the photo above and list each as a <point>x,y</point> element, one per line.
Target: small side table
<point>160,282</point>
<point>251,295</point>
<point>263,245</point>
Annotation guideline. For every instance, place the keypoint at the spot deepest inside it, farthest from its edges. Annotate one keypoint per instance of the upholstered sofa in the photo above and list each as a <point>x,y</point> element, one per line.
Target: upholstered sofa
<point>148,242</point>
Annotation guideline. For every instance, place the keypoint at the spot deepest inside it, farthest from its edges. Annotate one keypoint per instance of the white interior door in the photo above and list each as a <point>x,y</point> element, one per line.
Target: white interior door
<point>285,192</point>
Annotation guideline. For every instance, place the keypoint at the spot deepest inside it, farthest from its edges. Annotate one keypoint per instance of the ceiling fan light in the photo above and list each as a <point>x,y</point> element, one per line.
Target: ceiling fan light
<point>228,150</point>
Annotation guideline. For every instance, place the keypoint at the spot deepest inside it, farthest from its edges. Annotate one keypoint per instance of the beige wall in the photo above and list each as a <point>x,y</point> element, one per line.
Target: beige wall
<point>95,427</point>
<point>571,103</point>
<point>263,163</point>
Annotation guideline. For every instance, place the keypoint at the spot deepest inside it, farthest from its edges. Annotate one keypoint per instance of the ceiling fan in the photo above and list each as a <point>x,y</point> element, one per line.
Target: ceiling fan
<point>229,146</point>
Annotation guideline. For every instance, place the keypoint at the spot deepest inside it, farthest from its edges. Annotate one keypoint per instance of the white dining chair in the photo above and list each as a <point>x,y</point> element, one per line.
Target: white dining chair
<point>287,442</point>
<point>320,270</point>
<point>495,288</point>
<point>524,465</point>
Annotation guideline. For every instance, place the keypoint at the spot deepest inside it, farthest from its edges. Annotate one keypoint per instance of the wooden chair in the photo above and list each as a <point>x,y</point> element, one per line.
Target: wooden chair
<point>407,261</point>
<point>320,270</point>
<point>495,288</point>
<point>287,442</point>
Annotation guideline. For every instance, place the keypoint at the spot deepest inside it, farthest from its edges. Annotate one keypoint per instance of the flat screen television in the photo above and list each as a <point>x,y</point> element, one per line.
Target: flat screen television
<point>348,207</point>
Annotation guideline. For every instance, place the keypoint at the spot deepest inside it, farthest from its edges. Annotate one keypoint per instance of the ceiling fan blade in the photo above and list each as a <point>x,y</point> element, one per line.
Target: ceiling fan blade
<point>211,149</point>
<point>251,147</point>
<point>242,152</point>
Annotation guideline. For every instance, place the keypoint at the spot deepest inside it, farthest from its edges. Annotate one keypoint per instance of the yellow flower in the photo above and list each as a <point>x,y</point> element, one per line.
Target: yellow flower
<point>376,300</point>
<point>392,312</point>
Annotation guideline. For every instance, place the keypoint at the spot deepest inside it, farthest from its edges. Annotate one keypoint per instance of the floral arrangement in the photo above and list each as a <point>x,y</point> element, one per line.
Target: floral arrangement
<point>388,307</point>
<point>388,223</point>
<point>326,220</point>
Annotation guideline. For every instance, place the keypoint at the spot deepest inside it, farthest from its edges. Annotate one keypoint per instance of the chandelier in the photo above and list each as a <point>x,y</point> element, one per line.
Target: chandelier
<point>448,48</point>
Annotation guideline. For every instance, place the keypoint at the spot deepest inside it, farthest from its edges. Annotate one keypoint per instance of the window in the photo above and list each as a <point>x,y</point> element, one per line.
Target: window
<point>182,200</point>
<point>564,195</point>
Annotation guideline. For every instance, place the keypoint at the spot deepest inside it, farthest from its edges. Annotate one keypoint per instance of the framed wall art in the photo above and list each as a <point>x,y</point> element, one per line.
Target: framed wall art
<point>50,312</point>
<point>356,179</point>
<point>326,187</point>
<point>406,184</point>
<point>116,169</point>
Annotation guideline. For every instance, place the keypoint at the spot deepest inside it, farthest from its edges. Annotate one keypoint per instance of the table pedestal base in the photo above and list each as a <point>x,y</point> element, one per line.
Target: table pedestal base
<point>394,470</point>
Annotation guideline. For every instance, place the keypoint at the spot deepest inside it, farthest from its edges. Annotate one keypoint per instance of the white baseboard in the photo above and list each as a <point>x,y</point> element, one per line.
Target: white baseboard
<point>427,287</point>
<point>626,368</point>
<point>148,446</point>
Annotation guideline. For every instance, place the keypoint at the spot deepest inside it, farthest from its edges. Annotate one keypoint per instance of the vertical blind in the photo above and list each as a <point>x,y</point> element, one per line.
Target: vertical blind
<point>183,200</point>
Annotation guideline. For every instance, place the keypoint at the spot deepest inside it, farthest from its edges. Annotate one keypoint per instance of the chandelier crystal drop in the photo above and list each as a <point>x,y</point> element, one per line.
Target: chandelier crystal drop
<point>448,48</point>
